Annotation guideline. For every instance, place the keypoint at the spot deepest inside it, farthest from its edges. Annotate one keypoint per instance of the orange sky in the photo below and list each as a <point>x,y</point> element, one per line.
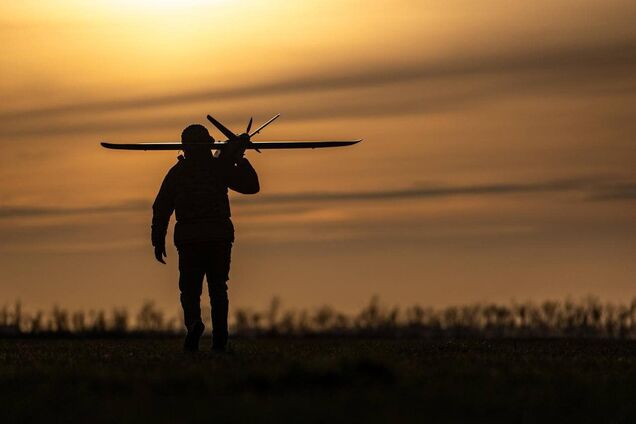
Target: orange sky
<point>498,160</point>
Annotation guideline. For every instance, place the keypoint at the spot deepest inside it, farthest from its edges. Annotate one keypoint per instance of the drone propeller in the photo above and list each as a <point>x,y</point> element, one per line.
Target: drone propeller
<point>247,132</point>
<point>264,125</point>
<point>231,136</point>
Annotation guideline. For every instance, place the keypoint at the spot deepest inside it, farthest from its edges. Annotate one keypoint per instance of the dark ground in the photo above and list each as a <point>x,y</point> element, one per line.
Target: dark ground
<point>318,380</point>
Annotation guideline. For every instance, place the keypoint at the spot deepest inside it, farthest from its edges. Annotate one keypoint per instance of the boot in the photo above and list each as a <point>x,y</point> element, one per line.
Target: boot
<point>191,343</point>
<point>219,341</point>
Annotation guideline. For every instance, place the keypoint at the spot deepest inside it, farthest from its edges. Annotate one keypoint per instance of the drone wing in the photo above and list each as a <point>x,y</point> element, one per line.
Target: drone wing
<point>149,146</point>
<point>260,145</point>
<point>298,144</point>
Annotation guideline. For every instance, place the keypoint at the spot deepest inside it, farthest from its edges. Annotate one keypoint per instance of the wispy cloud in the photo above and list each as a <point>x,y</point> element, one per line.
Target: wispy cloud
<point>430,191</point>
<point>573,60</point>
<point>590,189</point>
<point>618,191</point>
<point>47,211</point>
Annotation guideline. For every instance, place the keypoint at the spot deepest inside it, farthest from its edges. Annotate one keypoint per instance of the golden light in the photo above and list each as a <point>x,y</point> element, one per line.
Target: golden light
<point>149,5</point>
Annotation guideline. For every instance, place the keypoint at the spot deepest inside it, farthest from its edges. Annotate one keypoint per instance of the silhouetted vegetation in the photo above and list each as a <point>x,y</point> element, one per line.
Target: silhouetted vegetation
<point>149,320</point>
<point>586,318</point>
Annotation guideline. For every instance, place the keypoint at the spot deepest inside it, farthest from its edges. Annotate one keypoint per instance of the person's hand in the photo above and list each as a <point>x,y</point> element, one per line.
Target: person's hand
<point>235,149</point>
<point>160,253</point>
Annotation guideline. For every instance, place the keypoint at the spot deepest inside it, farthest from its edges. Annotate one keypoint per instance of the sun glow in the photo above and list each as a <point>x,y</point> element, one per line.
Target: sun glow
<point>149,5</point>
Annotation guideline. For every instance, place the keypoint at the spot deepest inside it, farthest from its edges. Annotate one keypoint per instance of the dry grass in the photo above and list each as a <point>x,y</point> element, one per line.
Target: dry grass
<point>586,318</point>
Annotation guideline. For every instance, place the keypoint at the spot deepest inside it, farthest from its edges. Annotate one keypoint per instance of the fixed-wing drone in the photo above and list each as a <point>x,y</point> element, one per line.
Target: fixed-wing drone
<point>245,138</point>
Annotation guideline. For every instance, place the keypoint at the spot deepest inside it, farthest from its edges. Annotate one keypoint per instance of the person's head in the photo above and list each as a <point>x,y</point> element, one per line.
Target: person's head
<point>195,138</point>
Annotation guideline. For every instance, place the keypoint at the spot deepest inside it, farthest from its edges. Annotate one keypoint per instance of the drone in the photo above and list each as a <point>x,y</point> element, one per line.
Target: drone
<point>245,139</point>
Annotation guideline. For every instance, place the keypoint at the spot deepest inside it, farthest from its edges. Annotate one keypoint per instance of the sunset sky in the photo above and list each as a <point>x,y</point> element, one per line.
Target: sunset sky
<point>498,159</point>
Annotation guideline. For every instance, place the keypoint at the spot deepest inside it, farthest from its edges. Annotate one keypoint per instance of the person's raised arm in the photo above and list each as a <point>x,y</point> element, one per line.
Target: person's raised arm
<point>242,177</point>
<point>239,174</point>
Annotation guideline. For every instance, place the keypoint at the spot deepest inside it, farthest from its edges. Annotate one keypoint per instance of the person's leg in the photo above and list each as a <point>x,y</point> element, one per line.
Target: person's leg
<point>218,275</point>
<point>219,304</point>
<point>191,274</point>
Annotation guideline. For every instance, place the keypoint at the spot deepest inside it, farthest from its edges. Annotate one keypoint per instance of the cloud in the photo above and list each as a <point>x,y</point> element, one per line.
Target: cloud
<point>618,191</point>
<point>380,102</point>
<point>571,61</point>
<point>592,188</point>
<point>422,192</point>
<point>48,211</point>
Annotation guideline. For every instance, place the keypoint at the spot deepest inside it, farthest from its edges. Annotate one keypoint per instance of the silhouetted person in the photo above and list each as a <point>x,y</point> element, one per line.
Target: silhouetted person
<point>196,189</point>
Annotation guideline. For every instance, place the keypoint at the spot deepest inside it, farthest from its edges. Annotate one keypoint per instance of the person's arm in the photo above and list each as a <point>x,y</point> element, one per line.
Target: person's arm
<point>242,177</point>
<point>162,209</point>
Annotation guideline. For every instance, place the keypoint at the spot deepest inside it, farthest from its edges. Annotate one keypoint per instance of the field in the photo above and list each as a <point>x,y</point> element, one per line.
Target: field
<point>318,380</point>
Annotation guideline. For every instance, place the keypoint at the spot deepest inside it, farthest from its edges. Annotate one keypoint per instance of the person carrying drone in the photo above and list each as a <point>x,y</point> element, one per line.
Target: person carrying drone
<point>196,189</point>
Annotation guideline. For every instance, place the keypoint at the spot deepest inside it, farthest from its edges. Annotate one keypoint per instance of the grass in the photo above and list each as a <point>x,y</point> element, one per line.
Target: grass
<point>318,380</point>
<point>588,317</point>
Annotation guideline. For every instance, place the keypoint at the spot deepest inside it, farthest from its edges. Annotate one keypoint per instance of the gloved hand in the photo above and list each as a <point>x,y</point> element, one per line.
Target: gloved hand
<point>160,253</point>
<point>235,148</point>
